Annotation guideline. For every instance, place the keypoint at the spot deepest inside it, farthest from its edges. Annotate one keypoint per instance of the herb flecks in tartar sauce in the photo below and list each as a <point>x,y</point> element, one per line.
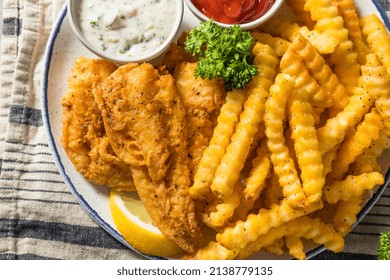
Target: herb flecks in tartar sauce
<point>130,28</point>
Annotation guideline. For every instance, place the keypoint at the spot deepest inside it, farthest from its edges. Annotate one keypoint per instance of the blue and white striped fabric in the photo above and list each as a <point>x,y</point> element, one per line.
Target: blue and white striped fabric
<point>39,217</point>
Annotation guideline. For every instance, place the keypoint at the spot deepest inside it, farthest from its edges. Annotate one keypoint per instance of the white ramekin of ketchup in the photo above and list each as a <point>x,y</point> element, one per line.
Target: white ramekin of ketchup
<point>246,13</point>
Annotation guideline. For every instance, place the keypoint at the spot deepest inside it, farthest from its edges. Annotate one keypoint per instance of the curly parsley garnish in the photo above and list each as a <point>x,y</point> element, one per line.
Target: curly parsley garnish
<point>223,53</point>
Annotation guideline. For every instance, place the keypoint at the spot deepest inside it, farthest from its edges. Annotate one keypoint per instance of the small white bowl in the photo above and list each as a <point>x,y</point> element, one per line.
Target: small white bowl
<point>245,26</point>
<point>73,7</point>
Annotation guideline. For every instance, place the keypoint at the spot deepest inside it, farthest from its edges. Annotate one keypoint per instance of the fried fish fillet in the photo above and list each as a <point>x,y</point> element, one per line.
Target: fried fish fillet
<point>202,99</point>
<point>176,54</point>
<point>146,124</point>
<point>83,135</point>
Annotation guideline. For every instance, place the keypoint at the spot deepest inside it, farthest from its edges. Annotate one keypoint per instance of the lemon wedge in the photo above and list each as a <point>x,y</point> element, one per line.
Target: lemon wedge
<point>134,223</point>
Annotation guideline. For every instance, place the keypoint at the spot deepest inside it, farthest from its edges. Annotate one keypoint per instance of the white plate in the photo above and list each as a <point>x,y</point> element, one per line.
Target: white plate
<point>62,50</point>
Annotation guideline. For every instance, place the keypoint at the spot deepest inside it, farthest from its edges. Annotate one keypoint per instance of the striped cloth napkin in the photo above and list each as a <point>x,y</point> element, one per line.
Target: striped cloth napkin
<point>39,217</point>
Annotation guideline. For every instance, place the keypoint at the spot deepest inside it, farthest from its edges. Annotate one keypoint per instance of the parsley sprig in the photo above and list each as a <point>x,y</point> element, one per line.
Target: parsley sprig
<point>384,246</point>
<point>223,53</point>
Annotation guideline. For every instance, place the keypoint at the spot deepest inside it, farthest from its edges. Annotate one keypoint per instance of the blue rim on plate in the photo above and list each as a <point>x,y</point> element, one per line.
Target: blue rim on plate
<point>382,12</point>
<point>79,197</point>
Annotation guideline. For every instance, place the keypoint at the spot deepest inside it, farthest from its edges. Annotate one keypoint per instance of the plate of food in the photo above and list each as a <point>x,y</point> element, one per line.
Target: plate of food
<point>263,143</point>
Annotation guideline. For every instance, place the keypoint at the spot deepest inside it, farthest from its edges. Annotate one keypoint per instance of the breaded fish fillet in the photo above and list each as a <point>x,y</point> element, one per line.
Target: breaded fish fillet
<point>146,125</point>
<point>176,54</point>
<point>202,99</point>
<point>83,135</point>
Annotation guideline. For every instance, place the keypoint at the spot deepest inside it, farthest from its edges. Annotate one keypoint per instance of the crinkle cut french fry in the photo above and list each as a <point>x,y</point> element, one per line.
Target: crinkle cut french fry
<point>378,38</point>
<point>328,21</point>
<point>212,251</point>
<point>237,151</point>
<point>346,213</point>
<point>306,145</point>
<point>327,18</point>
<point>244,232</point>
<point>302,125</point>
<point>320,70</point>
<point>302,15</point>
<point>375,78</point>
<point>367,132</point>
<point>381,144</point>
<point>346,67</point>
<point>376,81</point>
<point>225,209</point>
<point>368,160</point>
<point>212,155</point>
<point>282,28</point>
<point>278,27</point>
<point>347,10</point>
<point>295,247</point>
<point>261,166</point>
<point>280,45</point>
<point>293,65</point>
<point>323,42</point>
<point>383,107</point>
<point>352,186</point>
<point>335,129</point>
<point>303,227</point>
<point>283,164</point>
<point>313,61</point>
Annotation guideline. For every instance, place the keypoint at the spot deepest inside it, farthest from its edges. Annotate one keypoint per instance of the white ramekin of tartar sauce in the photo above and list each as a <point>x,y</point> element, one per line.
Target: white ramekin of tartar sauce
<point>125,31</point>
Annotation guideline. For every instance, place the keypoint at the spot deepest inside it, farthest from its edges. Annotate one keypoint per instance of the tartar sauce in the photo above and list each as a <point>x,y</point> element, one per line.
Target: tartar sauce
<point>129,28</point>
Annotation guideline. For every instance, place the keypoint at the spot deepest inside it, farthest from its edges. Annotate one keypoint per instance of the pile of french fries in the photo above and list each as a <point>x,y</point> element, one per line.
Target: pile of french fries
<point>295,154</point>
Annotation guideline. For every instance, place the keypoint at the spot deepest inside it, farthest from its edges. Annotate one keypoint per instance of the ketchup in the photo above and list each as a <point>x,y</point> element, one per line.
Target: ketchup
<point>233,11</point>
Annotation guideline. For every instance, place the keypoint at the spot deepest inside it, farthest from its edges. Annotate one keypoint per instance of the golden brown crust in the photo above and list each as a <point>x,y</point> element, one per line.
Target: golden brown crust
<point>146,124</point>
<point>202,99</point>
<point>83,134</point>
